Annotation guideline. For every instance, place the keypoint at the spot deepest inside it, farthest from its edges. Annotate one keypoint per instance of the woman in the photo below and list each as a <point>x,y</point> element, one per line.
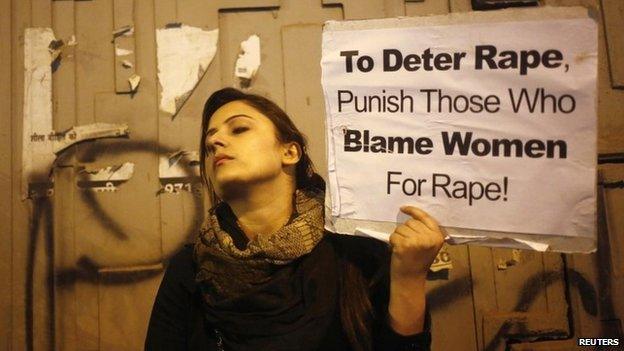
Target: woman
<point>264,274</point>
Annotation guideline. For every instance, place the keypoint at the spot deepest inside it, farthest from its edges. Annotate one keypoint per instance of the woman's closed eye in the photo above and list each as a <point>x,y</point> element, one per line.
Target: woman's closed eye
<point>209,148</point>
<point>240,129</point>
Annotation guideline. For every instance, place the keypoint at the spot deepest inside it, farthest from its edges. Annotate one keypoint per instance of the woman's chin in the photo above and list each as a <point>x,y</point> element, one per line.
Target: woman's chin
<point>224,176</point>
<point>230,186</point>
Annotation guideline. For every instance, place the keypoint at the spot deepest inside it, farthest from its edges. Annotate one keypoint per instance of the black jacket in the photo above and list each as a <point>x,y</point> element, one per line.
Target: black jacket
<point>177,322</point>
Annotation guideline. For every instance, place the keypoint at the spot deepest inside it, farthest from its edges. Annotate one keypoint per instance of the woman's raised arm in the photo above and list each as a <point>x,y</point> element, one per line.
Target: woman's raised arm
<point>415,245</point>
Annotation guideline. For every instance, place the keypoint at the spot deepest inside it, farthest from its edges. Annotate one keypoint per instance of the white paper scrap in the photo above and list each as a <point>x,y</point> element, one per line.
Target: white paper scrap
<point>134,81</point>
<point>249,59</point>
<point>72,41</point>
<point>122,52</point>
<point>180,164</point>
<point>183,55</point>
<point>37,153</point>
<point>110,173</point>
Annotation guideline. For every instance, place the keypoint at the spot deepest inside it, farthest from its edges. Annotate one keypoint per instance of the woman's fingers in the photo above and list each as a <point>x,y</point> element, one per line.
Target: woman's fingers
<point>404,231</point>
<point>422,216</point>
<point>421,229</point>
<point>415,244</point>
<point>417,225</point>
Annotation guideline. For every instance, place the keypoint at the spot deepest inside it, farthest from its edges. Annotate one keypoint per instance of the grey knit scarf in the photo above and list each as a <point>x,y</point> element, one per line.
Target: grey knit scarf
<point>225,272</point>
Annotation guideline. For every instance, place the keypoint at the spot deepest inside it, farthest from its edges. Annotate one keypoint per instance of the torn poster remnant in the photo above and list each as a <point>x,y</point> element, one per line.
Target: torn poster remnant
<point>441,261</point>
<point>134,81</point>
<point>248,60</point>
<point>127,31</point>
<point>180,164</point>
<point>43,149</point>
<point>56,48</point>
<point>72,41</point>
<point>105,179</point>
<point>87,132</point>
<point>183,54</point>
<point>179,171</point>
<point>37,119</point>
<point>512,261</point>
<point>122,52</point>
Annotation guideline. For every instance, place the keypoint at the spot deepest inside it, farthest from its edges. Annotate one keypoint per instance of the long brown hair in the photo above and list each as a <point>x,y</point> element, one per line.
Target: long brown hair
<point>354,301</point>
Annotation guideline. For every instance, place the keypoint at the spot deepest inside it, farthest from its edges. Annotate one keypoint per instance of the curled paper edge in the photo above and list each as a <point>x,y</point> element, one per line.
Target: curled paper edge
<point>458,236</point>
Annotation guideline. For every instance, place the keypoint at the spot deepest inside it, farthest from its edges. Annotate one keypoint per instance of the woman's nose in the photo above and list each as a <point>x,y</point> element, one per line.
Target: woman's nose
<point>216,140</point>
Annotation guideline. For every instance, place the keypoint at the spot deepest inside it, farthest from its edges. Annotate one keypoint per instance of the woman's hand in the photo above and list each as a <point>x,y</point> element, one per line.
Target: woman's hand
<point>415,245</point>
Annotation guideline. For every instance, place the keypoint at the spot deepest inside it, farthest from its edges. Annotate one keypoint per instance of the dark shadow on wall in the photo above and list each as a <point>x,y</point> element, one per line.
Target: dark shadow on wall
<point>86,270</point>
<point>446,294</point>
<point>41,224</point>
<point>529,293</point>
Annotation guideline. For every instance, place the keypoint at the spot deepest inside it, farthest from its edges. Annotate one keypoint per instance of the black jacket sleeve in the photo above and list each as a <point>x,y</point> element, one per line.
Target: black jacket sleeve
<point>172,323</point>
<point>385,338</point>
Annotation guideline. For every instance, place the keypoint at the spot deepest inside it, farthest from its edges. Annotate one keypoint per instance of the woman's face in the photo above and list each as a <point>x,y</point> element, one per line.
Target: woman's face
<point>242,148</point>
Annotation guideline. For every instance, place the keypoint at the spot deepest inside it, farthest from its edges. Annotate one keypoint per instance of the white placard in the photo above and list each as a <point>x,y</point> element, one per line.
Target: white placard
<point>487,126</point>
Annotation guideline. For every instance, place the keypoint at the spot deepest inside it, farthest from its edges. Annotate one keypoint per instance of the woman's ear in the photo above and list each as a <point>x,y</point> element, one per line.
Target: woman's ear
<point>291,153</point>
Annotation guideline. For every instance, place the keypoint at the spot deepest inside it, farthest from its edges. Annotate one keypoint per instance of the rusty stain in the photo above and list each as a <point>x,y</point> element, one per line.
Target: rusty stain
<point>583,56</point>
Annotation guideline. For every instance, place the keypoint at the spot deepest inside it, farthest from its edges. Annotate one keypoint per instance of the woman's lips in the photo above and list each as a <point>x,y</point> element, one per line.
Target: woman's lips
<point>221,159</point>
